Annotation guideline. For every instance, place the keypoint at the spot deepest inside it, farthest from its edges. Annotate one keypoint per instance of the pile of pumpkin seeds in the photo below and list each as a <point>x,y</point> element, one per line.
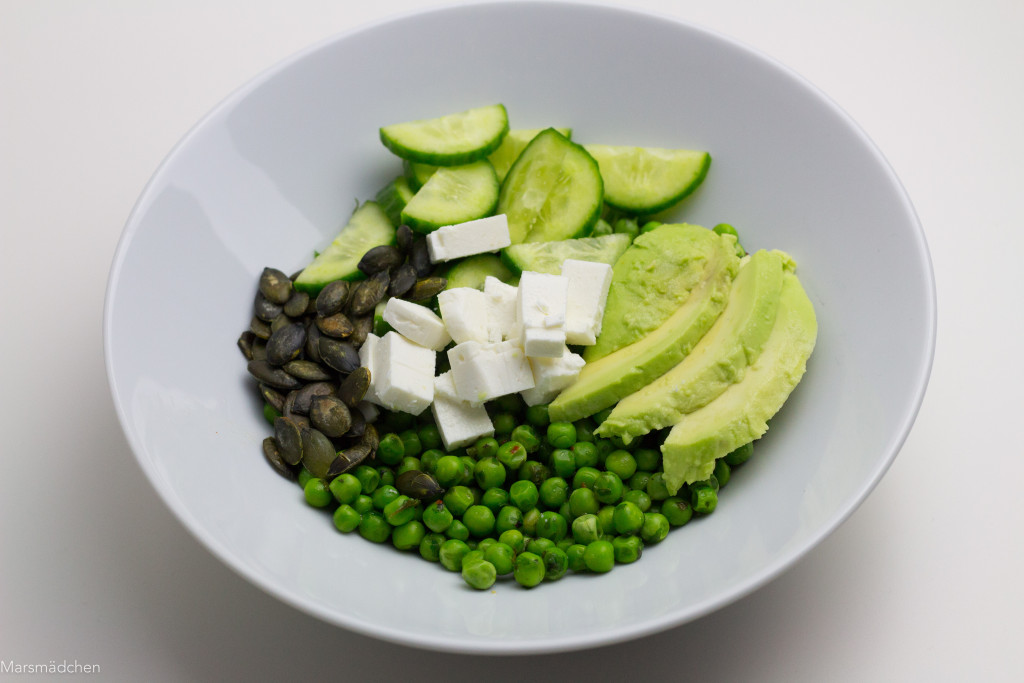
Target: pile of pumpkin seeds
<point>303,352</point>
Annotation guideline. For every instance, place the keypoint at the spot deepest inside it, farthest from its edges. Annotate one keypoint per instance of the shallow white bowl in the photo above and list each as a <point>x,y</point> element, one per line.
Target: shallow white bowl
<point>272,173</point>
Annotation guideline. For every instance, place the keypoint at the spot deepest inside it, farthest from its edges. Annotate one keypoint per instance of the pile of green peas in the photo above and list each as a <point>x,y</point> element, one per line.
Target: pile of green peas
<point>535,501</point>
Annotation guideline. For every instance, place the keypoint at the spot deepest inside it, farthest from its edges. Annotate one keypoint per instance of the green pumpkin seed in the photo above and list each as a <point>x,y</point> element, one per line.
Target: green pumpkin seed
<point>317,452</point>
<point>276,286</point>
<point>307,371</point>
<point>332,298</point>
<point>259,328</point>
<point>363,327</point>
<point>383,257</point>
<point>300,400</point>
<point>402,280</point>
<point>369,293</point>
<point>286,343</point>
<point>339,355</point>
<point>273,456</point>
<point>297,305</point>
<point>273,397</point>
<point>271,376</point>
<point>418,485</point>
<point>404,237</point>
<point>419,257</point>
<point>265,309</point>
<point>426,288</point>
<point>330,415</point>
<point>245,342</point>
<point>353,388</point>
<point>313,344</point>
<point>337,325</point>
<point>287,434</point>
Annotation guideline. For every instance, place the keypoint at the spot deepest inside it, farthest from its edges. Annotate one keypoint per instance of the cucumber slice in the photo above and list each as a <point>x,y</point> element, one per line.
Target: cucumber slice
<point>645,180</point>
<point>368,227</point>
<point>552,192</point>
<point>472,271</point>
<point>513,145</point>
<point>547,257</point>
<point>393,197</point>
<point>454,194</point>
<point>417,174</point>
<point>450,140</point>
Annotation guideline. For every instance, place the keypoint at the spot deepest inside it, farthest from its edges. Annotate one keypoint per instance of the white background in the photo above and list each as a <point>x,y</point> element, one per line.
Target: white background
<point>922,583</point>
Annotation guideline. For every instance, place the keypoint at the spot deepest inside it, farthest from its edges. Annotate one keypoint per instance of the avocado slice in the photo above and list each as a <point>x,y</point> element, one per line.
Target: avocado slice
<point>740,414</point>
<point>718,360</point>
<point>651,280</point>
<point>605,381</point>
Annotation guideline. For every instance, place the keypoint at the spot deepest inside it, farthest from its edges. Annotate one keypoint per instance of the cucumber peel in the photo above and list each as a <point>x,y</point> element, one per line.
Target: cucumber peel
<point>450,140</point>
<point>646,180</point>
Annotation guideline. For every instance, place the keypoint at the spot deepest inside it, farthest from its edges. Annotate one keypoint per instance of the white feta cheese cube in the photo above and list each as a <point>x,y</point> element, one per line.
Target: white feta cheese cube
<point>465,239</point>
<point>541,300</point>
<point>405,380</point>
<point>416,323</point>
<point>543,342</point>
<point>587,295</point>
<point>459,422</point>
<point>485,371</point>
<point>464,311</point>
<point>551,376</point>
<point>501,309</point>
<point>367,358</point>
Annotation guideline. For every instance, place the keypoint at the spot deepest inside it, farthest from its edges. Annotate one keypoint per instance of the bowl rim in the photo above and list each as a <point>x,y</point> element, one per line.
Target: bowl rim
<point>650,626</point>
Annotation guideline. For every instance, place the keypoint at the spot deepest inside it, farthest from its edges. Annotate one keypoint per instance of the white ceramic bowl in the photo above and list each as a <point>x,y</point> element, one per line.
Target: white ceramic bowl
<point>272,173</point>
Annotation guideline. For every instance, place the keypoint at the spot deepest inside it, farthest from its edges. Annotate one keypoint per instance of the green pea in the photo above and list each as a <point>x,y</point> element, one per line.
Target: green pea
<point>508,518</point>
<point>586,529</point>
<point>561,434</point>
<point>722,472</point>
<point>553,492</point>
<point>430,547</point>
<point>346,519</point>
<point>628,518</point>
<point>512,454</point>
<point>458,499</point>
<point>524,494</point>
<point>563,462</point>
<point>430,436</point>
<point>582,502</point>
<point>448,471</point>
<point>639,480</point>
<point>489,473</point>
<point>485,447</point>
<point>304,476</point>
<point>703,497</point>
<point>650,225</point>
<point>390,450</point>
<point>606,519</point>
<point>509,403</point>
<point>638,497</point>
<point>657,489</point>
<point>599,556</point>
<point>408,464</point>
<point>428,461</point>
<point>383,495</point>
<point>626,226</point>
<point>621,463</point>
<point>566,511</point>
<point>479,520</point>
<point>677,511</point>
<point>574,553</point>
<point>514,539</point>
<point>503,423</point>
<point>495,499</point>
<point>396,421</point>
<point>400,510</point>
<point>534,471</point>
<point>537,546</point>
<point>647,459</point>
<point>437,517</point>
<point>479,575</point>
<point>556,564</point>
<point>317,493</point>
<point>457,530</point>
<point>552,525</point>
<point>537,416</point>
<point>585,477</point>
<point>451,553</point>
<point>270,413</point>
<point>740,455</point>
<point>602,227</point>
<point>387,476</point>
<point>655,529</point>
<point>408,535</point>
<point>373,527</point>
<point>601,416</point>
<point>411,443</point>
<point>726,229</point>
<point>565,543</point>
<point>604,448</point>
<point>368,477</point>
<point>627,549</point>
<point>527,436</point>
<point>529,570</point>
<point>485,543</point>
<point>585,454</point>
<point>585,430</point>
<point>468,468</point>
<point>530,519</point>
<point>362,504</point>
<point>346,488</point>
<point>608,488</point>
<point>502,556</point>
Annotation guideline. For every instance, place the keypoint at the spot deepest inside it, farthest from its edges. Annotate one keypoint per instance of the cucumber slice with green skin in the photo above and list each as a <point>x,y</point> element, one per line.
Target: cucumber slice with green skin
<point>393,197</point>
<point>646,180</point>
<point>547,257</point>
<point>417,174</point>
<point>368,227</point>
<point>513,145</point>
<point>552,192</point>
<point>451,140</point>
<point>454,194</point>
<point>472,271</point>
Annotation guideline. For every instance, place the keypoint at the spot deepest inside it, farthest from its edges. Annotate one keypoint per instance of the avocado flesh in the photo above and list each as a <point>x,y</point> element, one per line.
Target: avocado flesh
<point>740,414</point>
<point>719,359</point>
<point>651,280</point>
<point>605,381</point>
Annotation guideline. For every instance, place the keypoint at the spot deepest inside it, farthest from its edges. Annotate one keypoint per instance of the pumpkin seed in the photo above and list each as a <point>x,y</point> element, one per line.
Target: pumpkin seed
<point>259,328</point>
<point>317,452</point>
<point>419,257</point>
<point>273,397</point>
<point>265,309</point>
<point>330,415</point>
<point>426,288</point>
<point>418,485</point>
<point>313,344</point>
<point>369,293</point>
<point>286,343</point>
<point>354,455</point>
<point>332,298</point>
<point>341,356</point>
<point>402,280</point>
<point>300,400</point>
<point>271,376</point>
<point>306,370</point>
<point>383,257</point>
<point>337,325</point>
<point>273,456</point>
<point>245,343</point>
<point>297,304</point>
<point>275,285</point>
<point>404,237</point>
<point>363,327</point>
<point>288,436</point>
<point>353,388</point>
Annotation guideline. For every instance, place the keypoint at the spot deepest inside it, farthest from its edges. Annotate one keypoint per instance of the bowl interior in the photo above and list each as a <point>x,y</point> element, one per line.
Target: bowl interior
<point>272,173</point>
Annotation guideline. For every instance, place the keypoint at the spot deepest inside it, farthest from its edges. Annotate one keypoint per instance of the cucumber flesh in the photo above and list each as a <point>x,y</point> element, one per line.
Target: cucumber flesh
<point>472,271</point>
<point>552,192</point>
<point>646,180</point>
<point>417,174</point>
<point>454,194</point>
<point>368,227</point>
<point>513,145</point>
<point>547,257</point>
<point>450,140</point>
<point>393,197</point>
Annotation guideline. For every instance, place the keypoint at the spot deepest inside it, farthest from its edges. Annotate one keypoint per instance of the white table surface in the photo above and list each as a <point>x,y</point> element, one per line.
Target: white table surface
<point>922,583</point>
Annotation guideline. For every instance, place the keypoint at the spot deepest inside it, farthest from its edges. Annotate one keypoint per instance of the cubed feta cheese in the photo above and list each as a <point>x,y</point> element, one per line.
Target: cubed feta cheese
<point>405,380</point>
<point>485,371</point>
<point>465,239</point>
<point>416,323</point>
<point>367,358</point>
<point>501,309</point>
<point>459,422</point>
<point>551,376</point>
<point>588,292</point>
<point>543,342</point>
<point>464,311</point>
<point>541,300</point>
